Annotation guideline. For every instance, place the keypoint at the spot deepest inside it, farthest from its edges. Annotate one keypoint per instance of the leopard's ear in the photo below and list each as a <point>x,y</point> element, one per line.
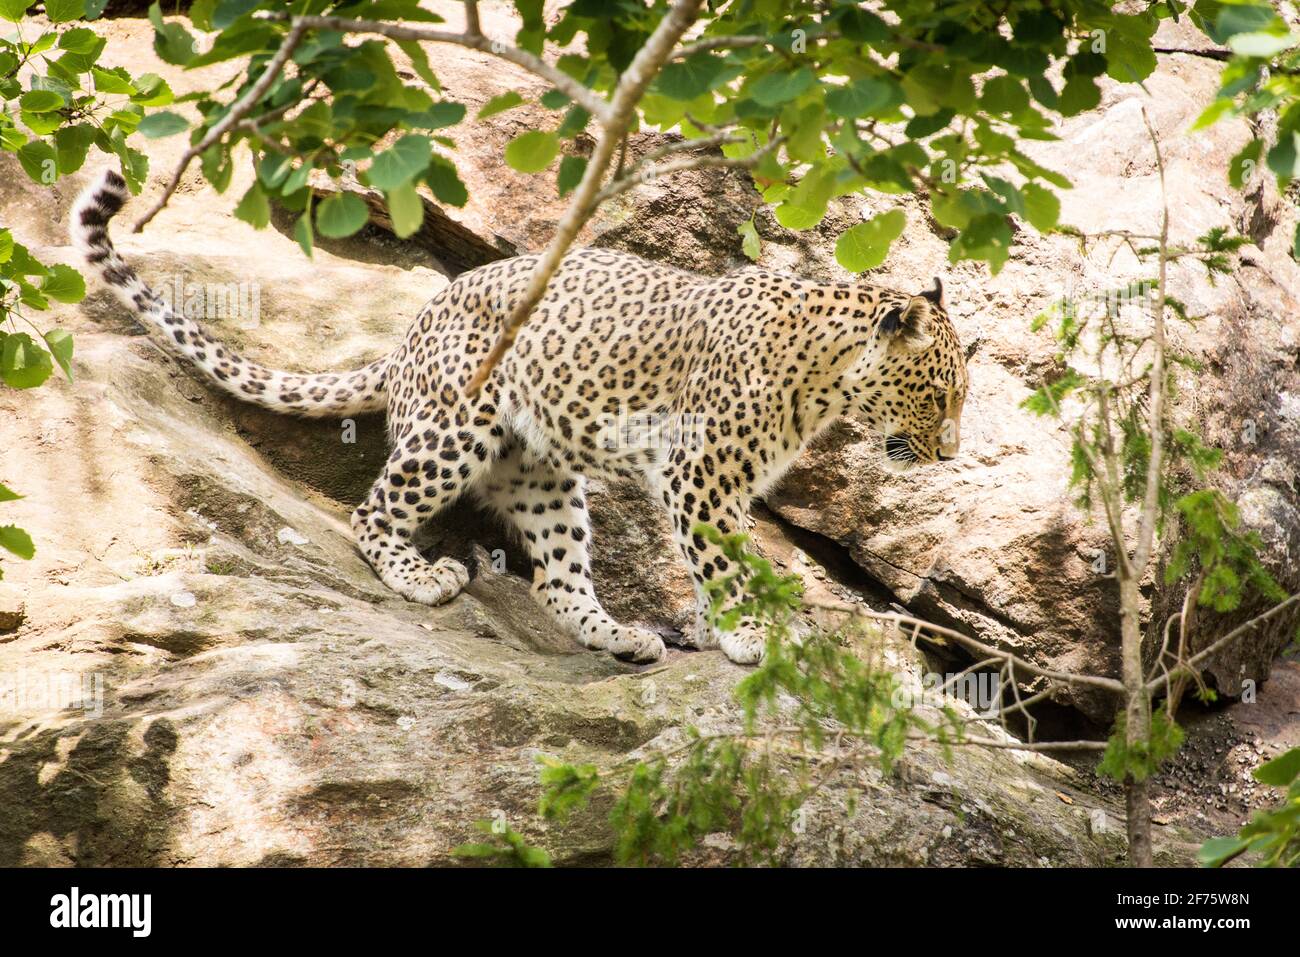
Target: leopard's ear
<point>910,327</point>
<point>935,295</point>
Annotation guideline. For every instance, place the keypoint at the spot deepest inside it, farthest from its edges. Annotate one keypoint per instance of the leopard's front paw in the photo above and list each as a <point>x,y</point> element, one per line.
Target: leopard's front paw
<point>744,646</point>
<point>701,637</point>
<point>428,584</point>
<point>637,644</point>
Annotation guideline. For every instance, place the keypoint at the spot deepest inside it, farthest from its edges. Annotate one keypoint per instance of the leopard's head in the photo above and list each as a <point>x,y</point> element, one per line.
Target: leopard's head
<point>911,386</point>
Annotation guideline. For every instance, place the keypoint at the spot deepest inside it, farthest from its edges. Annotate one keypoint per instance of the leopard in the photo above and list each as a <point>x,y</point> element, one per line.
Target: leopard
<point>704,389</point>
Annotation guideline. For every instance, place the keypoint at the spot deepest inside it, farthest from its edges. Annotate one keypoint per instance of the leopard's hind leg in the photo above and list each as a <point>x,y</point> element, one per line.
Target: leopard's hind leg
<point>549,509</point>
<point>426,472</point>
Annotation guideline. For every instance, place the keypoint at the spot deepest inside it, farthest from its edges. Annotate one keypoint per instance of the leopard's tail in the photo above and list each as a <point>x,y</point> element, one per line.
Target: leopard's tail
<point>316,396</point>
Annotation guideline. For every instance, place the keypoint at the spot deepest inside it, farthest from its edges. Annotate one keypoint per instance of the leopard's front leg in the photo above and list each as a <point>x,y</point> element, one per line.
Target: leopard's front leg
<point>694,491</point>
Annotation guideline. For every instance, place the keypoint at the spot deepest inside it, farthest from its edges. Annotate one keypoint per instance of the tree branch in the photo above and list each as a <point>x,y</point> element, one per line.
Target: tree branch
<point>737,42</point>
<point>614,121</point>
<point>584,96</point>
<point>1155,420</point>
<point>241,108</point>
<point>1186,666</point>
<point>1095,681</point>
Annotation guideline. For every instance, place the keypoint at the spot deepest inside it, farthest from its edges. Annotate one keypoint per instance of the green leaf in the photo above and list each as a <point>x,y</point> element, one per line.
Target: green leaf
<point>341,215</point>
<point>273,172</point>
<point>1237,18</point>
<point>533,151</point>
<point>7,494</point>
<point>686,79</point>
<point>227,12</point>
<point>1043,91</point>
<point>14,539</point>
<point>59,342</point>
<point>931,86</point>
<point>750,244</point>
<point>23,363</point>
<point>64,284</point>
<point>163,123</point>
<point>862,97</point>
<point>406,209</point>
<point>499,104</point>
<point>71,144</point>
<point>1079,94</point>
<point>295,179</point>
<point>1281,771</point>
<point>1042,207</point>
<point>217,169</point>
<point>419,61</point>
<point>400,163</point>
<point>1219,850</point>
<point>442,114</point>
<point>39,161</point>
<point>986,237</point>
<point>254,207</point>
<point>782,86</point>
<point>234,42</point>
<point>445,182</point>
<point>1004,94</point>
<point>61,11</point>
<point>302,232</point>
<point>115,80</point>
<point>1223,105</point>
<point>78,40</point>
<point>1261,44</point>
<point>866,245</point>
<point>13,10</point>
<point>41,101</point>
<point>1281,158</point>
<point>1129,56</point>
<point>805,205</point>
<point>42,124</point>
<point>152,90</point>
<point>571,172</point>
<point>1244,163</point>
<point>554,99</point>
<point>575,121</point>
<point>171,41</point>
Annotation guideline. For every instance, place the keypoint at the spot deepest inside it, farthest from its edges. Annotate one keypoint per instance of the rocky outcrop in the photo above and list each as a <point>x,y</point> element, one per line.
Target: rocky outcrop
<point>265,700</point>
<point>209,674</point>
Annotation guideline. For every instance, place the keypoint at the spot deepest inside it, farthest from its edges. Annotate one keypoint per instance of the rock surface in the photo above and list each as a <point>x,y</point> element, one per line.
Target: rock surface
<point>266,700</point>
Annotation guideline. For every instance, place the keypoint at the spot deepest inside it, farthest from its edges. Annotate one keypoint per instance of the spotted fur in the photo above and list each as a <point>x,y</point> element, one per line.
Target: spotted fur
<point>317,396</point>
<point>705,389</point>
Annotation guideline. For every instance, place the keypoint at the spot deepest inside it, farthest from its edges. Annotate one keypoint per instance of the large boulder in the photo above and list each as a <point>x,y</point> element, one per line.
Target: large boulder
<point>207,673</point>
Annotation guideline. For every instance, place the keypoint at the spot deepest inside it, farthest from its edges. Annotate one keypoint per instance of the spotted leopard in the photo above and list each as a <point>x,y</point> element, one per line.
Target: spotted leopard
<point>705,389</point>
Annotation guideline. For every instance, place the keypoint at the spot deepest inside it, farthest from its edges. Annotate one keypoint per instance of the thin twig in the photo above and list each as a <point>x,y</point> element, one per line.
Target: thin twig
<point>254,124</point>
<point>1028,745</point>
<point>637,177</point>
